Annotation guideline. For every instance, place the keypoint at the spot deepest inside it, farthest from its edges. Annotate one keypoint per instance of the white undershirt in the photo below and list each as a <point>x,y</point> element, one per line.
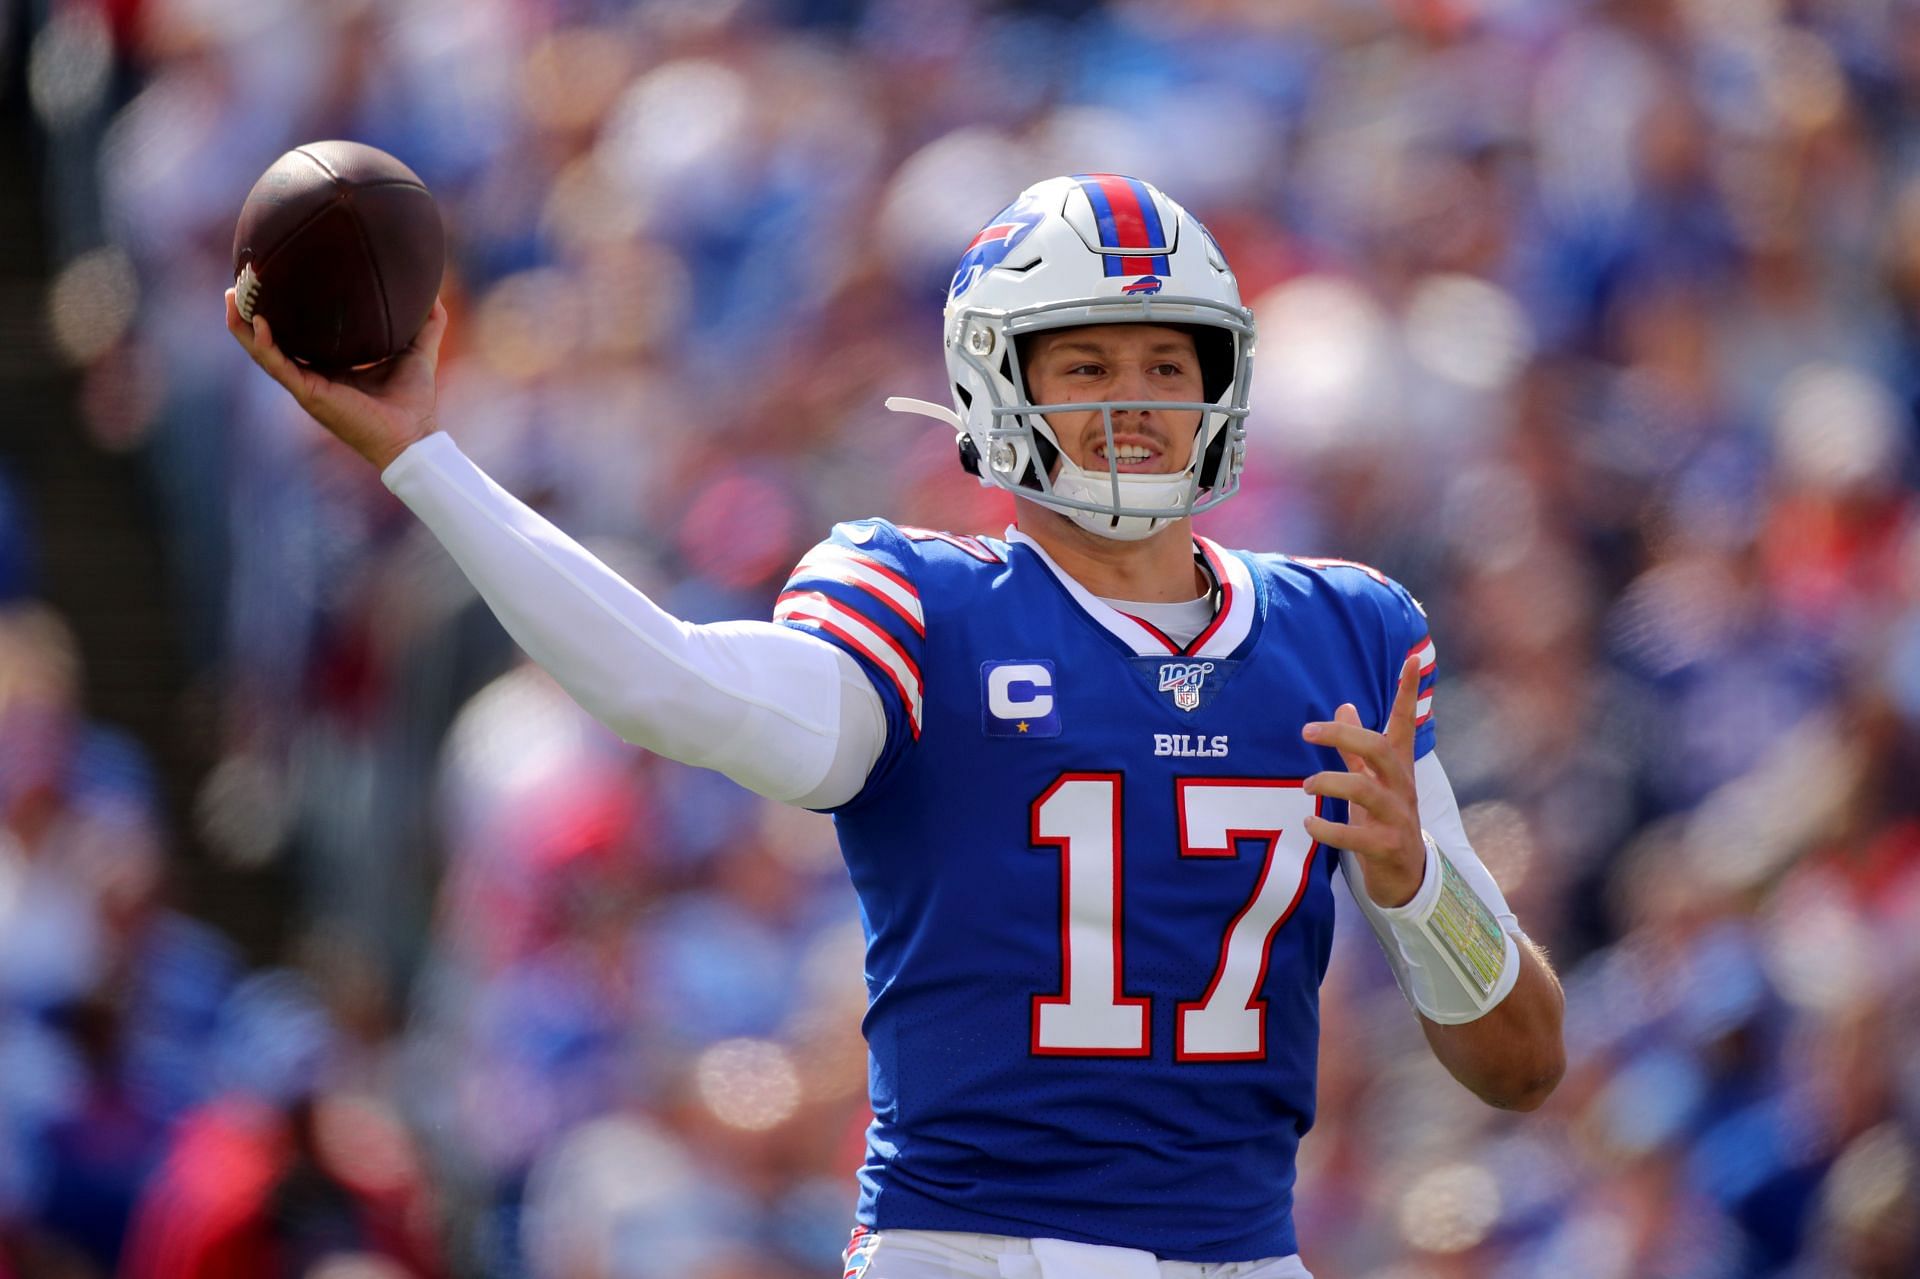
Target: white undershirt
<point>782,712</point>
<point>1179,622</point>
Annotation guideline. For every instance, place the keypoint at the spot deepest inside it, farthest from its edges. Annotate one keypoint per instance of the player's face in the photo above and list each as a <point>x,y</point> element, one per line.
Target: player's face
<point>1105,362</point>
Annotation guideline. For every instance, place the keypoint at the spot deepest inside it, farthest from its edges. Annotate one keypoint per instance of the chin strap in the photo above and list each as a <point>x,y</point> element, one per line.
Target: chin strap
<point>926,408</point>
<point>969,451</point>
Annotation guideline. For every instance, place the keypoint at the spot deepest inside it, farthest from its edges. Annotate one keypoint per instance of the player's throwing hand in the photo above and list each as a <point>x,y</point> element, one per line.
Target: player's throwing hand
<point>377,412</point>
<point>1383,820</point>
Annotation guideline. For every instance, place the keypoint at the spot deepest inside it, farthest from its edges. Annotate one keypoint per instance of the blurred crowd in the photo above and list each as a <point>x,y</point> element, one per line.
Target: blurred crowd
<point>1597,322</point>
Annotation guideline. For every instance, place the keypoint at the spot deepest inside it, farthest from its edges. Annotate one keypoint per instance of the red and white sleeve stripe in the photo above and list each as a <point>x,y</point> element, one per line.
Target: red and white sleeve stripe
<point>814,608</point>
<point>831,563</point>
<point>1429,661</point>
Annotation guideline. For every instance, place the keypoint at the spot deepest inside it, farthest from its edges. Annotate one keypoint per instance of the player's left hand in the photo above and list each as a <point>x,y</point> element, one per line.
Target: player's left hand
<point>1383,817</point>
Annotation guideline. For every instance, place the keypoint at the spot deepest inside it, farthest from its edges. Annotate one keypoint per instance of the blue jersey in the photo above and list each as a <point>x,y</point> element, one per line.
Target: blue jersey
<point>1095,925</point>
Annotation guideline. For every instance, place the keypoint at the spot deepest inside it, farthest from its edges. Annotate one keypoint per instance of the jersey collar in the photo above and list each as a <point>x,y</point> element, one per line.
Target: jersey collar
<point>1231,624</point>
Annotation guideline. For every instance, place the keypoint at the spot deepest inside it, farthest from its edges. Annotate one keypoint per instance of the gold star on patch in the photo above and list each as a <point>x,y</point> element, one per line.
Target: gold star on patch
<point>1022,726</point>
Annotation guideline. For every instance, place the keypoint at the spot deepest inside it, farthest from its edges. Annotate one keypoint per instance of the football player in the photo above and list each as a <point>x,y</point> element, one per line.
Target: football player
<point>1092,780</point>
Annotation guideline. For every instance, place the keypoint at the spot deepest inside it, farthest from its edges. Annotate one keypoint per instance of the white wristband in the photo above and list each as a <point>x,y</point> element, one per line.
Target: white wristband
<point>1459,961</point>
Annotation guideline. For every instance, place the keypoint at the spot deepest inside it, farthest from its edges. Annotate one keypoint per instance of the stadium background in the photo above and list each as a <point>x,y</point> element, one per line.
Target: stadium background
<point>1593,322</point>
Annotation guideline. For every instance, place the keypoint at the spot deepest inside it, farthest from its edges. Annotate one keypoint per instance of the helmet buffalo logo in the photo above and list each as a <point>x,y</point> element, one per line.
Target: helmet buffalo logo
<point>990,247</point>
<point>1183,680</point>
<point>1145,284</point>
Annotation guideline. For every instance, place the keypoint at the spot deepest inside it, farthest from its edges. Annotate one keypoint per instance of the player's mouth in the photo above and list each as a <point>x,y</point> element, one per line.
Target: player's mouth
<point>1128,456</point>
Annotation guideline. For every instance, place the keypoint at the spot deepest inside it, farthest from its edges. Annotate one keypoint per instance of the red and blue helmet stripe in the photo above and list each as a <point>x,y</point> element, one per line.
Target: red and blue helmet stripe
<point>1124,210</point>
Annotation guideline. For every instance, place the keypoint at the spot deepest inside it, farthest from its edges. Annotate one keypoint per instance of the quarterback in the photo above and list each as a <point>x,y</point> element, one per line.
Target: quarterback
<point>1092,779</point>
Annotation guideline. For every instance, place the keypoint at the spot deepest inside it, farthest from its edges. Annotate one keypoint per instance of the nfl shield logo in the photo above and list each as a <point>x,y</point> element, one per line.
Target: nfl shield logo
<point>1183,680</point>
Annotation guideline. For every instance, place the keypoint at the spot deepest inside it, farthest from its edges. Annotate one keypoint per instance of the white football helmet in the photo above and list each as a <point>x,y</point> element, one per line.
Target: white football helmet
<point>1094,248</point>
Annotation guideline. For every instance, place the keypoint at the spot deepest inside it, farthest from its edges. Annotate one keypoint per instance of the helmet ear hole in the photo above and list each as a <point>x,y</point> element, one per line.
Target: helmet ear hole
<point>969,454</point>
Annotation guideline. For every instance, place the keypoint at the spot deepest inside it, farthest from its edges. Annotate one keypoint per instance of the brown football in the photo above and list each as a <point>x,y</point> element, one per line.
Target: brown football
<point>340,247</point>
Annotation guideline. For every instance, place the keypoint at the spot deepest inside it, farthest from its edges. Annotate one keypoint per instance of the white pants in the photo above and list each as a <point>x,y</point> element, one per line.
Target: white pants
<point>946,1254</point>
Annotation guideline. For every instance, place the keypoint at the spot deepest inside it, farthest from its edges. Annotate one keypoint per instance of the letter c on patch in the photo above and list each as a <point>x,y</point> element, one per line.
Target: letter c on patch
<point>1001,682</point>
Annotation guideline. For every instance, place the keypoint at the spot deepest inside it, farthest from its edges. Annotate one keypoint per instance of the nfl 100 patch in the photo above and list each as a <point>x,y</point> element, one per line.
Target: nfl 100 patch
<point>1184,680</point>
<point>1188,683</point>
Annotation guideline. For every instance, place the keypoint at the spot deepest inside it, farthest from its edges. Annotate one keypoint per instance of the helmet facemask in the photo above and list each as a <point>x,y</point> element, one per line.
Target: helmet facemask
<point>1023,453</point>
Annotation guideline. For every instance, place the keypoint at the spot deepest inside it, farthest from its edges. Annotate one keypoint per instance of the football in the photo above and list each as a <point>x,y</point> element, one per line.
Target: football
<point>340,246</point>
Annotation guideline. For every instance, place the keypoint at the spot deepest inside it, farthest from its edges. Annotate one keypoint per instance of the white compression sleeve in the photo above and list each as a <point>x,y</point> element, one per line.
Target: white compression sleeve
<point>1421,971</point>
<point>763,703</point>
<point>863,735</point>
